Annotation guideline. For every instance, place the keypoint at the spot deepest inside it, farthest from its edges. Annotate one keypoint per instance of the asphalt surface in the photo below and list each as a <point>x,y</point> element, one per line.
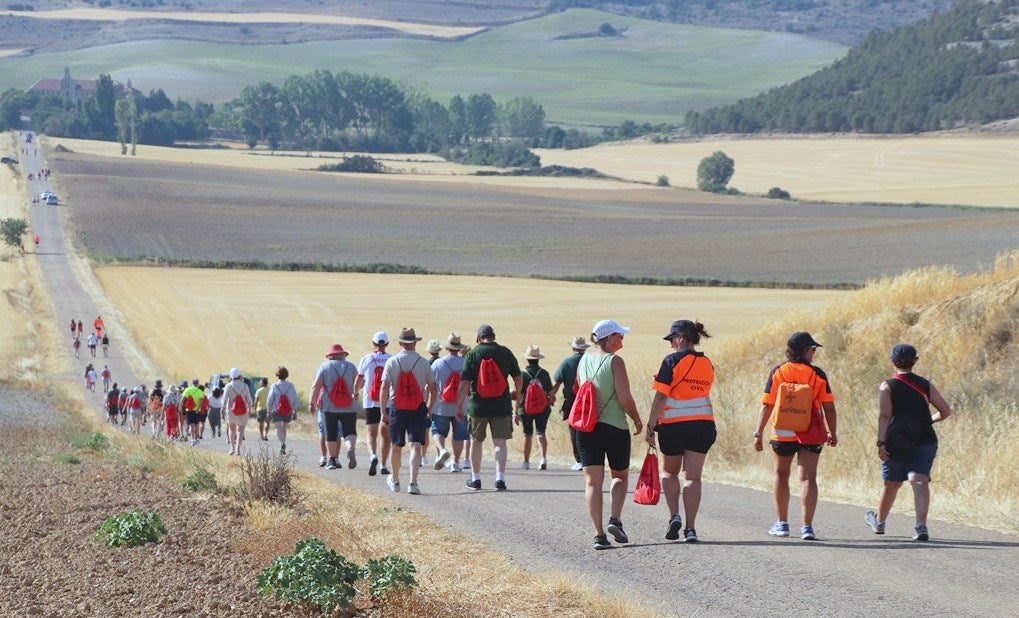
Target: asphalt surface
<point>541,523</point>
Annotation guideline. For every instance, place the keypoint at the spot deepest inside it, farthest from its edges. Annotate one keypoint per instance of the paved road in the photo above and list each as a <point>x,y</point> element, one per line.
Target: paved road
<point>736,569</point>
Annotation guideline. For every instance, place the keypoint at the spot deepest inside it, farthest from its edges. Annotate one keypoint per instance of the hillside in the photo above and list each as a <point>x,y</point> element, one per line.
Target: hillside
<point>965,330</point>
<point>951,70</point>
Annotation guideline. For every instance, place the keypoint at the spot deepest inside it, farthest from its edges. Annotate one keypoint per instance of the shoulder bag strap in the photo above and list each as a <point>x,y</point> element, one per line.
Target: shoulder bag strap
<point>912,385</point>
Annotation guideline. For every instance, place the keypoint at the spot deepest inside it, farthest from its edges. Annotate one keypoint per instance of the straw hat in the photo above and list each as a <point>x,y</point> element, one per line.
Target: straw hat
<point>533,353</point>
<point>434,347</point>
<point>407,335</point>
<point>579,343</point>
<point>453,342</point>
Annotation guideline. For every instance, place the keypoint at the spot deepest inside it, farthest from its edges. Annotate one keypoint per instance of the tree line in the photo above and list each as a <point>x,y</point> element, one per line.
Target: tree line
<point>950,70</point>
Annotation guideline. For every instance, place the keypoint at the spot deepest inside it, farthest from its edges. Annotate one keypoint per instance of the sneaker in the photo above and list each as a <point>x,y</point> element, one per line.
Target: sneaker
<point>383,471</point>
<point>413,489</point>
<point>321,461</point>
<point>615,528</point>
<point>780,528</point>
<point>333,465</point>
<point>807,533</point>
<point>466,464</point>
<point>283,449</point>
<point>602,542</point>
<point>393,485</point>
<point>500,485</point>
<point>351,460</point>
<point>577,466</point>
<point>455,467</point>
<point>920,533</point>
<point>675,525</point>
<point>543,465</point>
<point>424,461</point>
<point>871,518</point>
<point>525,465</point>
<point>441,461</point>
<point>474,485</point>
<point>265,438</point>
<point>689,535</point>
<point>373,465</point>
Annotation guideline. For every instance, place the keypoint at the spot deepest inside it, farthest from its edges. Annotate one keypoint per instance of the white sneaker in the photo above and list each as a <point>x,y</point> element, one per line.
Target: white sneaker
<point>577,466</point>
<point>543,464</point>
<point>413,489</point>
<point>394,486</point>
<point>455,467</point>
<point>424,460</point>
<point>442,459</point>
<point>525,465</point>
<point>465,464</point>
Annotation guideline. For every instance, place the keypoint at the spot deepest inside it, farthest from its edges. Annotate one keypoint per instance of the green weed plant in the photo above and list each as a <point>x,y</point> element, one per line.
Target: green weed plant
<point>131,528</point>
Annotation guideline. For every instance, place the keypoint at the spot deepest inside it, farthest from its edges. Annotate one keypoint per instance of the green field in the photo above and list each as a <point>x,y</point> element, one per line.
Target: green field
<point>655,72</point>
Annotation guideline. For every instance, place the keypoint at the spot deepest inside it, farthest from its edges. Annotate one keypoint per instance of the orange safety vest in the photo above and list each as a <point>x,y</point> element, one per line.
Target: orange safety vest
<point>688,398</point>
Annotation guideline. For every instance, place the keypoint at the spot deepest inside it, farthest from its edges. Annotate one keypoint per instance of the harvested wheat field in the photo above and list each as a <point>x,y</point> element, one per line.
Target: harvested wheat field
<point>943,169</point>
<point>259,320</point>
<point>129,209</point>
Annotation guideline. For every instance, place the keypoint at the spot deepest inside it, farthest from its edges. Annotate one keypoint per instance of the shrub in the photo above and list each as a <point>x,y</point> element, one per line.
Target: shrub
<point>663,181</point>
<point>66,458</point>
<point>95,441</point>
<point>362,164</point>
<point>314,577</point>
<point>388,574</point>
<point>269,478</point>
<point>12,232</point>
<point>715,172</point>
<point>777,193</point>
<point>130,528</point>
<point>200,480</point>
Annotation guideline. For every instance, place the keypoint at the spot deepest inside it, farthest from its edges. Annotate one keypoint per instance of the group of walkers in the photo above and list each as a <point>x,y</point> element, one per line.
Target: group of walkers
<point>458,397</point>
<point>98,337</point>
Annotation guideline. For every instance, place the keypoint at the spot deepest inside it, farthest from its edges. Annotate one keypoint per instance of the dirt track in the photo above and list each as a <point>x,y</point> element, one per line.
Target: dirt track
<point>736,569</point>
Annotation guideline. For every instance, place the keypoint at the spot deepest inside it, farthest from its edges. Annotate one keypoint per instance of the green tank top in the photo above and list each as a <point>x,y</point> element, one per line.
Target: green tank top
<point>598,369</point>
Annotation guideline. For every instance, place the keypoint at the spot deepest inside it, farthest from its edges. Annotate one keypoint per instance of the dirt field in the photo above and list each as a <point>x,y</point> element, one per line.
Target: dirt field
<point>948,169</point>
<point>260,320</point>
<point>127,208</point>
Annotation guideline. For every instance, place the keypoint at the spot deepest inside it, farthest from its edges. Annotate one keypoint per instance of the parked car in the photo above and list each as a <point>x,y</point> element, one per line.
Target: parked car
<point>10,160</point>
<point>51,200</point>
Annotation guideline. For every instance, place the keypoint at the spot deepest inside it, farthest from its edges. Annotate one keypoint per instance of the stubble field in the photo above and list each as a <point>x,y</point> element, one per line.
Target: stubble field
<point>129,209</point>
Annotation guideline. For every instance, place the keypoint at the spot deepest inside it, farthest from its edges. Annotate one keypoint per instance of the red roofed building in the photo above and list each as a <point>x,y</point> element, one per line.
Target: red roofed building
<point>75,89</point>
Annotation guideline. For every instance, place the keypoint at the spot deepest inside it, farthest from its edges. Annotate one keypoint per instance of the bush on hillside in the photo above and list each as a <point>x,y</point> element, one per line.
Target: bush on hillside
<point>777,193</point>
<point>714,172</point>
<point>362,164</point>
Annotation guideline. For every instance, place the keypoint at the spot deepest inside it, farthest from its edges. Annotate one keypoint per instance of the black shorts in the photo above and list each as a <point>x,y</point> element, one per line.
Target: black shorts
<point>194,417</point>
<point>532,422</point>
<point>372,416</point>
<point>113,412</point>
<point>604,442</point>
<point>408,426</point>
<point>340,424</point>
<point>788,449</point>
<point>694,436</point>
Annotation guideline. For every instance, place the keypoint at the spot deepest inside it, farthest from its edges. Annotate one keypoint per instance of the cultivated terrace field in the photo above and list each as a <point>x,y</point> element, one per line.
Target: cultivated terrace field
<point>189,213</point>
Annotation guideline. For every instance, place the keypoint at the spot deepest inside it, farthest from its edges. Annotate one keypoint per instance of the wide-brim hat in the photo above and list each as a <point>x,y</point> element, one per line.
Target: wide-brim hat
<point>453,342</point>
<point>336,350</point>
<point>434,347</point>
<point>533,353</point>
<point>579,343</point>
<point>407,335</point>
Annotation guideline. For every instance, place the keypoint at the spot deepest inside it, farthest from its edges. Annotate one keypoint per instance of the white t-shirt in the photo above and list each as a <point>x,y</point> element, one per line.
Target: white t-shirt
<point>366,369</point>
<point>407,361</point>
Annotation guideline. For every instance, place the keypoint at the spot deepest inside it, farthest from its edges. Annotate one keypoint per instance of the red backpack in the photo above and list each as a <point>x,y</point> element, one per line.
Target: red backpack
<point>134,401</point>
<point>584,413</point>
<point>535,397</point>
<point>376,386</point>
<point>452,386</point>
<point>204,407</point>
<point>491,381</point>
<point>283,408</point>
<point>239,407</point>
<point>189,403</point>
<point>339,394</point>
<point>408,391</point>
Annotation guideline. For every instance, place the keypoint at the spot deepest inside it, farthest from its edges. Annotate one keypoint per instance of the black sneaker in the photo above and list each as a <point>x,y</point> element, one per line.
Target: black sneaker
<point>615,528</point>
<point>384,471</point>
<point>675,524</point>
<point>332,465</point>
<point>373,466</point>
<point>474,485</point>
<point>500,485</point>
<point>689,535</point>
<point>602,542</point>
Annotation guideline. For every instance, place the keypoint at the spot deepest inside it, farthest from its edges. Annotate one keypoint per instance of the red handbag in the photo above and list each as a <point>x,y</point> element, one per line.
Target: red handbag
<point>649,484</point>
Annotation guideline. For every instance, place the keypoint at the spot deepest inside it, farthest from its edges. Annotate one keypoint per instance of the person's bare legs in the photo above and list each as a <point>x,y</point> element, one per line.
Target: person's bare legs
<point>921,496</point>
<point>396,453</point>
<point>415,461</point>
<point>594,477</point>
<point>670,482</point>
<point>807,467</point>
<point>783,465</point>
<point>617,491</point>
<point>500,457</point>
<point>693,465</point>
<point>888,494</point>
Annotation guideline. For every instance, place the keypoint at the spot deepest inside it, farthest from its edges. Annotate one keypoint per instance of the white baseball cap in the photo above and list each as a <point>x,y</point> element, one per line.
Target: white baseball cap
<point>235,373</point>
<point>605,328</point>
<point>380,337</point>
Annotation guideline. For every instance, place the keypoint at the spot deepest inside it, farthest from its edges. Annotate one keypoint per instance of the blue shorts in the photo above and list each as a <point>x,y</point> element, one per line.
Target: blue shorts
<point>408,426</point>
<point>441,425</point>
<point>321,424</point>
<point>920,462</point>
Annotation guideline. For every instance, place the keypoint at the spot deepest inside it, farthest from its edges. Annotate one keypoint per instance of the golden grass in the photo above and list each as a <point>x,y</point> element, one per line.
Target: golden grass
<point>964,327</point>
<point>939,169</point>
<point>100,14</point>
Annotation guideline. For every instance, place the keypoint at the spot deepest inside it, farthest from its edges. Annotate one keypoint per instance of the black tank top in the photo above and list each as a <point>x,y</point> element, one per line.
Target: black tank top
<point>910,407</point>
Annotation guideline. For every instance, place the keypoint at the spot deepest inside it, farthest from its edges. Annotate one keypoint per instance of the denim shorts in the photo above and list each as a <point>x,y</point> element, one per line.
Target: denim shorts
<point>442,424</point>
<point>920,462</point>
<point>408,426</point>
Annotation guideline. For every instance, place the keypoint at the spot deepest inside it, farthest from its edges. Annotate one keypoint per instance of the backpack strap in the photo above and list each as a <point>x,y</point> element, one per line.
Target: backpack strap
<point>902,378</point>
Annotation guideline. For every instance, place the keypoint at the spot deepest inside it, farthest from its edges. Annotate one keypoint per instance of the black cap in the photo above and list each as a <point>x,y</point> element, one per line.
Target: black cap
<point>486,332</point>
<point>801,341</point>
<point>679,327</point>
<point>903,353</point>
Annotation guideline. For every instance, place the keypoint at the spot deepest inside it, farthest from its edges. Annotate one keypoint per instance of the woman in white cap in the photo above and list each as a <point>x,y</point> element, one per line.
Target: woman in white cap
<point>369,376</point>
<point>533,414</point>
<point>237,402</point>
<point>610,438</point>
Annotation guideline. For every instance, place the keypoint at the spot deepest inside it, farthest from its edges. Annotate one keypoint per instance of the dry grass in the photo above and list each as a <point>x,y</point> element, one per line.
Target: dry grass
<point>972,170</point>
<point>964,327</point>
<point>93,14</point>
